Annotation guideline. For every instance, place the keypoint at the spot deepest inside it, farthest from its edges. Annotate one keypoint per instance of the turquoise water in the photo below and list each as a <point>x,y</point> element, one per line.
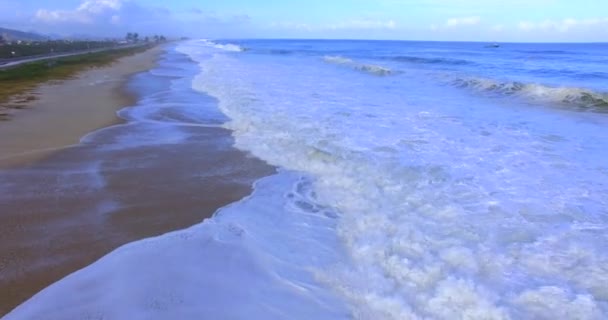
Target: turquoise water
<point>416,180</point>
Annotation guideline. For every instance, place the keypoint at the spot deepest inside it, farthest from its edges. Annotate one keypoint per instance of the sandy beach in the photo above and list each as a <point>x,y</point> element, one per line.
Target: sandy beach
<point>65,204</point>
<point>66,110</point>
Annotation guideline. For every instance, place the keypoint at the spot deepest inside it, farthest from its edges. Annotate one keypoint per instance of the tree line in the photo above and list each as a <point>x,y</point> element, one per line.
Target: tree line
<point>16,49</point>
<point>134,37</point>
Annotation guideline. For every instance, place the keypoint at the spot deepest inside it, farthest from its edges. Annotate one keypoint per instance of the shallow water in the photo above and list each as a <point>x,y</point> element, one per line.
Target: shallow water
<point>457,197</point>
<point>120,184</point>
<point>417,181</point>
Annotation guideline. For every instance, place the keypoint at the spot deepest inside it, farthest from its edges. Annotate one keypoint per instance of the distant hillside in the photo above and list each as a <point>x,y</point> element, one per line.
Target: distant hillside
<point>12,35</point>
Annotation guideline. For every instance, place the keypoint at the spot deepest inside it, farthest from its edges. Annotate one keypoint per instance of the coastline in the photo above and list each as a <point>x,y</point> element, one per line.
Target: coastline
<point>394,197</point>
<point>67,204</point>
<point>66,110</point>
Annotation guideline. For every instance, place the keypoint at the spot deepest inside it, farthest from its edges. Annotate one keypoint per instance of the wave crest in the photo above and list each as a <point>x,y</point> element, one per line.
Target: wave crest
<point>578,97</point>
<point>226,47</point>
<point>423,60</point>
<point>367,68</point>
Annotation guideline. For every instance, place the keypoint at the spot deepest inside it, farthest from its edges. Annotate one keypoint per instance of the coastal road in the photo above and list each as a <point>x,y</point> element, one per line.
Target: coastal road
<point>11,63</point>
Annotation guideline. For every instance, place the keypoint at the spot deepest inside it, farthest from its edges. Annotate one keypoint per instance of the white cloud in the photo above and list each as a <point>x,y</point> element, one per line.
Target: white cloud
<point>563,25</point>
<point>498,28</point>
<point>356,25</point>
<point>59,16</point>
<point>456,22</point>
<point>115,19</point>
<point>100,6</point>
<point>89,12</point>
<point>104,18</point>
<point>291,26</point>
<point>462,21</point>
<point>364,25</point>
<point>97,15</point>
<point>525,25</point>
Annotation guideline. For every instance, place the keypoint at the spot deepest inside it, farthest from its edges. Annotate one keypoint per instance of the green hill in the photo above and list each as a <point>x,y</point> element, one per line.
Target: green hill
<point>14,35</point>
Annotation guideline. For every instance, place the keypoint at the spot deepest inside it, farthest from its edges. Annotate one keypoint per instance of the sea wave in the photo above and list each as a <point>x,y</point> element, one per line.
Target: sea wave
<point>226,47</point>
<point>404,209</point>
<point>278,52</point>
<point>281,52</point>
<point>368,68</point>
<point>229,47</point>
<point>556,52</point>
<point>577,97</point>
<point>424,60</point>
<point>430,225</point>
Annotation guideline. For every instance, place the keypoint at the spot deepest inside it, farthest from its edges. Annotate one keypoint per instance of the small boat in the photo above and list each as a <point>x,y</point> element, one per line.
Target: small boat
<point>493,45</point>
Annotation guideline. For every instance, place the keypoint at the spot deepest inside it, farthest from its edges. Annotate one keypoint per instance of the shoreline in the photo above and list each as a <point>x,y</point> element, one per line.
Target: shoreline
<point>59,115</point>
<point>62,113</point>
<point>65,209</point>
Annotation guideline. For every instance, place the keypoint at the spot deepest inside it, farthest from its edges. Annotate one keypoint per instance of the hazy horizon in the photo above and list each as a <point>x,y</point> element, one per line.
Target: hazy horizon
<point>415,20</point>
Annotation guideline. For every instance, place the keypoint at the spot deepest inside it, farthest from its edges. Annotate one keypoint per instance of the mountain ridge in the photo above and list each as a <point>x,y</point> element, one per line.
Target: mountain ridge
<point>15,35</point>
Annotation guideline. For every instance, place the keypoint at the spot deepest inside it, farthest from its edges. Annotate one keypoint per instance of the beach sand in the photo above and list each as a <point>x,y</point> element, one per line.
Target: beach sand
<point>63,209</point>
<point>66,110</point>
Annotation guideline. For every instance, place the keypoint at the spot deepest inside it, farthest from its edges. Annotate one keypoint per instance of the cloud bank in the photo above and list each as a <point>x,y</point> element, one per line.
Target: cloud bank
<point>469,20</point>
<point>564,25</point>
<point>89,12</point>
<point>567,29</point>
<point>104,17</point>
<point>465,21</point>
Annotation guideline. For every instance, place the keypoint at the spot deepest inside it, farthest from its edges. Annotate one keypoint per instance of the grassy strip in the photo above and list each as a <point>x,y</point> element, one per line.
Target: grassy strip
<point>16,82</point>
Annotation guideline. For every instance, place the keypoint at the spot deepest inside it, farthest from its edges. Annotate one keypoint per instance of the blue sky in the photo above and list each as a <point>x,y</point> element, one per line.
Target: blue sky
<point>460,20</point>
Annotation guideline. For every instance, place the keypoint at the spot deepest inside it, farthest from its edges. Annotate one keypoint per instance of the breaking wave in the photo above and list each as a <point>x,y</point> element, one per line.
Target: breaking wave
<point>576,97</point>
<point>226,47</point>
<point>368,68</point>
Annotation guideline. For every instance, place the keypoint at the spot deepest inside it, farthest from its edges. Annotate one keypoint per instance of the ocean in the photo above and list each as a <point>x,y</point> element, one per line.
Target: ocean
<point>415,180</point>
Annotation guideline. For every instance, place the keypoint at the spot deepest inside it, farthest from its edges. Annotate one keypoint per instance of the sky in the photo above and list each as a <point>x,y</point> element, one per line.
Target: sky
<point>439,20</point>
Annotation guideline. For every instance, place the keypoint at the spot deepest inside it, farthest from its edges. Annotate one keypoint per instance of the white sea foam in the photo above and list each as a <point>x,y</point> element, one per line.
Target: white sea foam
<point>338,60</point>
<point>226,47</point>
<point>579,97</point>
<point>252,260</point>
<point>368,68</point>
<point>248,262</point>
<point>392,198</point>
<point>229,47</point>
<point>443,216</point>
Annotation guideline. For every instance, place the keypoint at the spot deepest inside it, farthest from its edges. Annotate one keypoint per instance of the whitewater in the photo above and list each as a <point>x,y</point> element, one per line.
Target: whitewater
<point>415,181</point>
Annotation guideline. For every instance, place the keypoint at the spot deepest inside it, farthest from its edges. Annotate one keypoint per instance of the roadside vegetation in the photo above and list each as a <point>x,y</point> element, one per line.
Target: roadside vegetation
<point>26,49</point>
<point>11,49</point>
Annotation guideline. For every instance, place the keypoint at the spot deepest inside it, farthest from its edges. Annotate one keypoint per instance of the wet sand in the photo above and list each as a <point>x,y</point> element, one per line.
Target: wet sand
<point>63,210</point>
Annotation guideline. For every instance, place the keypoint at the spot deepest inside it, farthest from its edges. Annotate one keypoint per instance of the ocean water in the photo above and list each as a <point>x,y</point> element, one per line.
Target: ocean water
<point>416,180</point>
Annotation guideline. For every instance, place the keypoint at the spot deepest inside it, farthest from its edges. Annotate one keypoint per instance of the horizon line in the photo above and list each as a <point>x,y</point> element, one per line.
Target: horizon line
<point>404,40</point>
